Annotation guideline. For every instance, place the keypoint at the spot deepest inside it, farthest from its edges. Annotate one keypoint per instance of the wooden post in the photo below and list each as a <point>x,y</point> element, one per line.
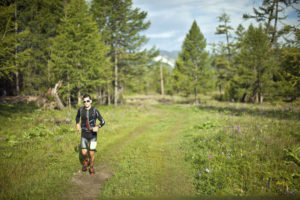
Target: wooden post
<point>161,81</point>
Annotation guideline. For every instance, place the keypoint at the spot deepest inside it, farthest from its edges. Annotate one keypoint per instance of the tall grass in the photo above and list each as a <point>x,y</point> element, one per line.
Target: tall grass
<point>155,150</point>
<point>244,151</point>
<point>39,155</point>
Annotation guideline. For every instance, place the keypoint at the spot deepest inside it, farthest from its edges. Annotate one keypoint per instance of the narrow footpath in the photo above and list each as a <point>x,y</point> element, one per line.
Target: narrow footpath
<point>148,162</point>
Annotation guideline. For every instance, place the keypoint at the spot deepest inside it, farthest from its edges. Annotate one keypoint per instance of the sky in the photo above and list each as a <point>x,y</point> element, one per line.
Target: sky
<point>172,19</point>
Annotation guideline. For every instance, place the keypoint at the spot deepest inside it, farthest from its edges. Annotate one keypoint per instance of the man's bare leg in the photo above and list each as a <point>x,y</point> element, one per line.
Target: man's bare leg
<point>85,155</point>
<point>92,158</point>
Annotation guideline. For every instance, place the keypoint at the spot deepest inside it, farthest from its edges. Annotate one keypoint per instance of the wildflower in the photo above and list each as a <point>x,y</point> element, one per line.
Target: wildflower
<point>199,174</point>
<point>228,156</point>
<point>209,156</point>
<point>222,153</point>
<point>288,192</point>
<point>207,170</point>
<point>239,129</point>
<point>58,138</point>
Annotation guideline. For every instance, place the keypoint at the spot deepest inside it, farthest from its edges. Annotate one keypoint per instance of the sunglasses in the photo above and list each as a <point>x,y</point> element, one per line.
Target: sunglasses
<point>87,101</point>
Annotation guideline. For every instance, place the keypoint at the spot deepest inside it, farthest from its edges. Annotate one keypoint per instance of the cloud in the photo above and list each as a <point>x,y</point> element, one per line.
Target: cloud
<point>172,19</point>
<point>167,34</point>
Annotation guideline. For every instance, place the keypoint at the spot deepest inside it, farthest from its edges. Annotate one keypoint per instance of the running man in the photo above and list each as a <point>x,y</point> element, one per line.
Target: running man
<point>88,115</point>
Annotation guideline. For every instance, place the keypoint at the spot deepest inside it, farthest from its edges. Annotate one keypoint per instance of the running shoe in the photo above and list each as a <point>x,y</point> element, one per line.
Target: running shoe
<point>84,165</point>
<point>92,171</point>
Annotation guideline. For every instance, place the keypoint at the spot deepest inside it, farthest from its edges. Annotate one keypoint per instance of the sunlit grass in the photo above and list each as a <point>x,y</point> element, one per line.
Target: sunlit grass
<point>155,149</point>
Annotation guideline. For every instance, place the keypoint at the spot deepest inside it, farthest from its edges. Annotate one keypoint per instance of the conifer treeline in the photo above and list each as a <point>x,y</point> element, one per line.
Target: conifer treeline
<point>96,47</point>
<point>253,65</point>
<point>92,48</point>
<point>259,63</point>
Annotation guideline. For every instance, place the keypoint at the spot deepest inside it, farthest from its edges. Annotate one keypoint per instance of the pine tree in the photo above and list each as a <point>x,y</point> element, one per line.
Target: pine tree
<point>269,13</point>
<point>120,26</point>
<point>224,29</point>
<point>41,19</point>
<point>29,27</point>
<point>253,76</point>
<point>7,46</point>
<point>79,54</point>
<point>192,67</point>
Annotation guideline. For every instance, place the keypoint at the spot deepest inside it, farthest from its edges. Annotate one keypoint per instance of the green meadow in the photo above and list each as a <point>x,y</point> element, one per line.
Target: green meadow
<point>155,148</point>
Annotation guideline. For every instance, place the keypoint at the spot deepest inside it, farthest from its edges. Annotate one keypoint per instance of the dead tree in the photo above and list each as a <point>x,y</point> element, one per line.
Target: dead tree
<point>44,100</point>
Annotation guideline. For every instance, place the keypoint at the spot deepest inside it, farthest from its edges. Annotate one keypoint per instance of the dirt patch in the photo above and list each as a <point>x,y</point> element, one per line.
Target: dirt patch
<point>86,186</point>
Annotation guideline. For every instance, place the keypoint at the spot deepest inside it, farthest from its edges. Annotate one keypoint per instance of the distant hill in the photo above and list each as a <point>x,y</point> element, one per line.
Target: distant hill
<point>169,54</point>
<point>167,57</point>
<point>165,60</point>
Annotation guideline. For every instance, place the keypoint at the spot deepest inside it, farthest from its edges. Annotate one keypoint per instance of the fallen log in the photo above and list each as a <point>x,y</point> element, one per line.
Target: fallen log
<point>56,121</point>
<point>40,100</point>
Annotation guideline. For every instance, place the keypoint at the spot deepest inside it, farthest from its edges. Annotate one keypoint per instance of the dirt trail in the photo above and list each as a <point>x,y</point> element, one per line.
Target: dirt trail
<point>171,175</point>
<point>88,187</point>
<point>174,178</point>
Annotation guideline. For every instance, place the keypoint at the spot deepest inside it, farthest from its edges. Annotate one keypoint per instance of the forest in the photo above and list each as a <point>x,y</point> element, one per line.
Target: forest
<point>97,47</point>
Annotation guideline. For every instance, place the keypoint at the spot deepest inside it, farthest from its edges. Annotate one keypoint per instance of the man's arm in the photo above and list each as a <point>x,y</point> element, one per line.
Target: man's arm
<point>100,118</point>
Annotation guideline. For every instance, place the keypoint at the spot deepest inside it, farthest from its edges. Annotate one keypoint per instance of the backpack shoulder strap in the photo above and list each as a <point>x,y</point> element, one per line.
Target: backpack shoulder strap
<point>81,111</point>
<point>94,112</point>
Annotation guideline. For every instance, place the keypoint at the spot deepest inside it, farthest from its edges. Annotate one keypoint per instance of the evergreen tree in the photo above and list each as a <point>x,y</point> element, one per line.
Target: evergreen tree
<point>222,72</point>
<point>7,46</point>
<point>79,54</point>
<point>269,13</point>
<point>40,24</point>
<point>192,67</point>
<point>120,26</point>
<point>29,27</point>
<point>255,64</point>
<point>224,29</point>
<point>134,68</point>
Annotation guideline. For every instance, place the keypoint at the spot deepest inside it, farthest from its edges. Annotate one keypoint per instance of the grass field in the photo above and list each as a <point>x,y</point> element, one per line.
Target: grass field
<point>155,148</point>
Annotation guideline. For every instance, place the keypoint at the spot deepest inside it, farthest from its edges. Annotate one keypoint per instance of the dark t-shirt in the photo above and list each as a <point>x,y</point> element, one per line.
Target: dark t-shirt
<point>88,120</point>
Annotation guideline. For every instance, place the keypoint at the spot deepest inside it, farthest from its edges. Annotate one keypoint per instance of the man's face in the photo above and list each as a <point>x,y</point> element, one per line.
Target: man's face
<point>87,102</point>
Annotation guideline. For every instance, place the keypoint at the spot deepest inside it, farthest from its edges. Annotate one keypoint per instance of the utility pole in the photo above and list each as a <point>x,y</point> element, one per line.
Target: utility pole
<point>161,80</point>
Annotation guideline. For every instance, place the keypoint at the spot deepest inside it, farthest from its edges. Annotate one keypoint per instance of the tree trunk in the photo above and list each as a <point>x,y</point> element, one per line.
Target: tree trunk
<point>16,52</point>
<point>195,89</point>
<point>196,96</point>
<point>270,18</point>
<point>228,48</point>
<point>99,96</point>
<point>54,93</point>
<point>275,24</point>
<point>261,99</point>
<point>161,81</point>
<point>49,69</point>
<point>256,97</point>
<point>108,95</point>
<point>69,92</point>
<point>79,98</point>
<point>116,80</point>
